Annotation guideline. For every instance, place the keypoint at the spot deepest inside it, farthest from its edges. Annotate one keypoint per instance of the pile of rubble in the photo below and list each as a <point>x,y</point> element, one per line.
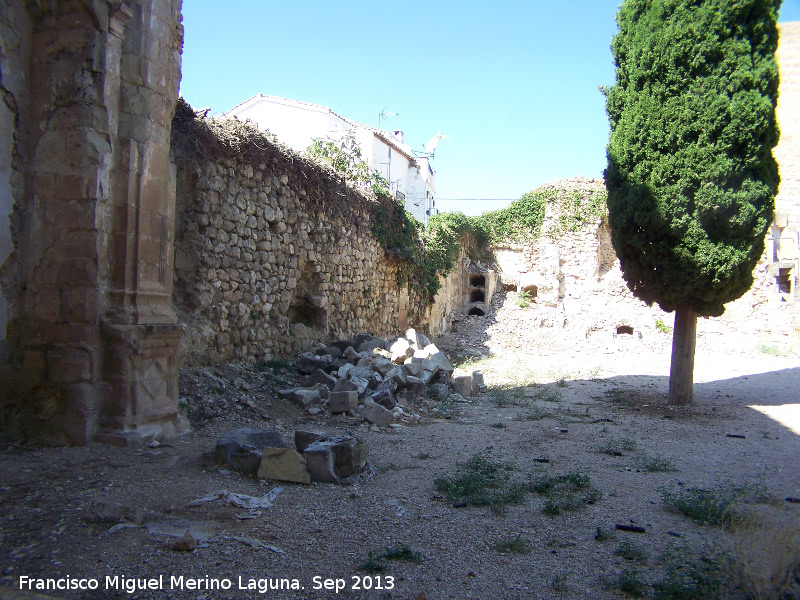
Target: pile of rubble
<point>376,378</point>
<point>380,380</point>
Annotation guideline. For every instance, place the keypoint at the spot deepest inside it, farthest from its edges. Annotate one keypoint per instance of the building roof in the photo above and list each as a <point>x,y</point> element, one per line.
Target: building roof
<point>384,136</point>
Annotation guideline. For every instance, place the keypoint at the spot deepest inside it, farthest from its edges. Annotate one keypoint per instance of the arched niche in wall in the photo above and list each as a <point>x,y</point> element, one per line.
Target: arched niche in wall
<point>308,304</point>
<point>477,296</point>
<point>477,280</point>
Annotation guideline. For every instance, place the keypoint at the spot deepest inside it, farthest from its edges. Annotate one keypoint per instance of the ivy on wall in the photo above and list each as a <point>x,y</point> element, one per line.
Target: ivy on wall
<point>433,252</point>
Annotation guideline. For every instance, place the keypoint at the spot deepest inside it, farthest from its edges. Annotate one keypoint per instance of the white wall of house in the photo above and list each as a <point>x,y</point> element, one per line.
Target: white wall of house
<point>297,124</point>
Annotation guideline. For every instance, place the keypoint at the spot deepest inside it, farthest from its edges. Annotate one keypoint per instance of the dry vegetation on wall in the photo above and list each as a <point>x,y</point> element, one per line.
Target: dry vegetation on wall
<point>198,140</point>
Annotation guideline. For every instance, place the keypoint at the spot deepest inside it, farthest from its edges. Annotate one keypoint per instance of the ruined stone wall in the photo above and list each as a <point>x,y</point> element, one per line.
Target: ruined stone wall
<point>580,288</point>
<point>88,90</point>
<point>273,252</point>
<point>787,152</point>
<point>15,48</point>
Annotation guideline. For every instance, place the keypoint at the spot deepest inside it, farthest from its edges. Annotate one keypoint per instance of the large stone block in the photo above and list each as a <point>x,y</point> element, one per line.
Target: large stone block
<point>334,459</point>
<point>464,385</point>
<point>303,439</point>
<point>385,397</point>
<point>344,385</point>
<point>283,464</point>
<point>343,401</point>
<point>398,374</point>
<point>241,448</point>
<point>377,414</point>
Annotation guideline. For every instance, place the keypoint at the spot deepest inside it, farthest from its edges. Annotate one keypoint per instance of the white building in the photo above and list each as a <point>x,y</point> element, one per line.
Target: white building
<point>297,124</point>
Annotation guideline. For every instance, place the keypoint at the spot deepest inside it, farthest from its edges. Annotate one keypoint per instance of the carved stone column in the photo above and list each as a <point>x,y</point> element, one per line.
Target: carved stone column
<point>140,329</point>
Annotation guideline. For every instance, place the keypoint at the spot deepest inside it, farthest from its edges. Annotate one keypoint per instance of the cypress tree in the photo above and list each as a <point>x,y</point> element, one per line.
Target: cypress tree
<point>691,178</point>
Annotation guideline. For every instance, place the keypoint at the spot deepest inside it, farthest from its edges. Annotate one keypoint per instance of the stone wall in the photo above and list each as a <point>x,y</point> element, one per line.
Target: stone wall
<point>787,152</point>
<point>15,48</point>
<point>579,287</point>
<point>273,251</point>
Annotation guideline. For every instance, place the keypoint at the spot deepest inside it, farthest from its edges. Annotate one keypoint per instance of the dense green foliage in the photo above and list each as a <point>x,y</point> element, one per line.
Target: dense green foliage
<point>521,221</point>
<point>691,178</point>
<point>344,155</point>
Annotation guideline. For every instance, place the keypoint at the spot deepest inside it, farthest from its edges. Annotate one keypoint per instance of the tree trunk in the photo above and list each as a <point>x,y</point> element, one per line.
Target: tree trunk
<point>681,372</point>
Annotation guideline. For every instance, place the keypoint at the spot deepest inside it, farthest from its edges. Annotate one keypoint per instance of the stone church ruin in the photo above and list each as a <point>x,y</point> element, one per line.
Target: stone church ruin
<point>136,237</point>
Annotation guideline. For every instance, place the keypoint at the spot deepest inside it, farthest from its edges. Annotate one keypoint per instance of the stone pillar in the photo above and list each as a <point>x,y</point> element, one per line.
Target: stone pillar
<point>140,329</point>
<point>92,336</point>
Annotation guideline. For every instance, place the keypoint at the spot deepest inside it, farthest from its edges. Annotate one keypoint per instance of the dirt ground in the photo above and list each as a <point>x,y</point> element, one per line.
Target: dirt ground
<point>556,410</point>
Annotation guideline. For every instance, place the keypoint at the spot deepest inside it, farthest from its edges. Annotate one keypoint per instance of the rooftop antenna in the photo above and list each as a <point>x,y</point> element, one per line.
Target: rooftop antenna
<point>383,115</point>
<point>430,147</point>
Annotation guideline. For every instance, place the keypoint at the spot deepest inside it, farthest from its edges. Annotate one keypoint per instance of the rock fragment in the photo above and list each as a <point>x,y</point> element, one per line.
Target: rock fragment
<point>283,464</point>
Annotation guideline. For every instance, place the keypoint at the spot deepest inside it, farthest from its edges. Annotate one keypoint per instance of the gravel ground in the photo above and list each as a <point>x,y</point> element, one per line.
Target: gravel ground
<point>555,407</point>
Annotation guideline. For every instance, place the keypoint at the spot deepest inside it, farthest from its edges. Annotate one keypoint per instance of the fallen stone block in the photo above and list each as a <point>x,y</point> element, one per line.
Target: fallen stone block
<point>372,377</point>
<point>305,397</point>
<point>377,414</point>
<point>439,391</point>
<point>338,364</point>
<point>463,385</point>
<point>283,464</point>
<point>388,384</point>
<point>478,386</point>
<point>343,401</point>
<point>307,362</point>
<point>303,439</point>
<point>427,376</point>
<point>345,385</point>
<point>371,345</point>
<point>336,458</point>
<point>379,364</point>
<point>361,384</point>
<point>360,338</point>
<point>426,364</point>
<point>320,376</point>
<point>416,386</point>
<point>350,354</point>
<point>441,360</point>
<point>413,369</point>
<point>385,397</point>
<point>334,352</point>
<point>246,460</point>
<point>241,448</point>
<point>342,344</point>
<point>398,374</point>
<point>344,370</point>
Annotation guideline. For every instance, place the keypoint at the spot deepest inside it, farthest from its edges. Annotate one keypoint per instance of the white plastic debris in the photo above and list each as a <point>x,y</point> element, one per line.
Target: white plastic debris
<point>240,500</point>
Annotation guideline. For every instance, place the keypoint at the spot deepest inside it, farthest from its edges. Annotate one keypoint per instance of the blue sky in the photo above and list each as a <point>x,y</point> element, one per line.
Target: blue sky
<point>513,84</point>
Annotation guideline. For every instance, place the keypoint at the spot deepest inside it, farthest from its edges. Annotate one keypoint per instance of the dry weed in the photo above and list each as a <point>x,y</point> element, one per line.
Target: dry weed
<point>765,554</point>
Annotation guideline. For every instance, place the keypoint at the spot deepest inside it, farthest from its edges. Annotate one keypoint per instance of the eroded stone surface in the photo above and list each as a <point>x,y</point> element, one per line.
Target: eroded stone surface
<point>283,464</point>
